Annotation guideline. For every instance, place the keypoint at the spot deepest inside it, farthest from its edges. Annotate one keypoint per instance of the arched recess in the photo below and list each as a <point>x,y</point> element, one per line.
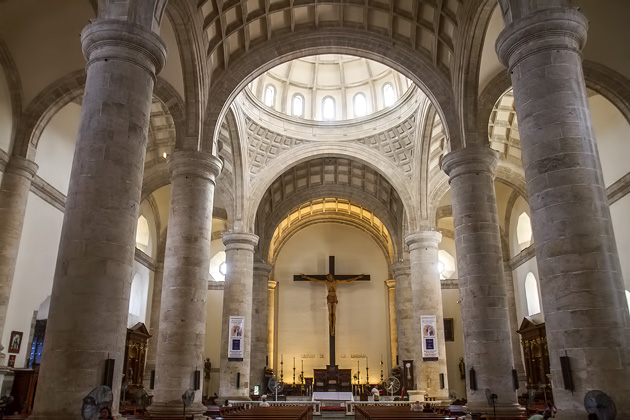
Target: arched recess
<point>271,213</point>
<point>70,88</point>
<point>340,219</point>
<point>351,152</point>
<point>269,54</point>
<point>603,80</point>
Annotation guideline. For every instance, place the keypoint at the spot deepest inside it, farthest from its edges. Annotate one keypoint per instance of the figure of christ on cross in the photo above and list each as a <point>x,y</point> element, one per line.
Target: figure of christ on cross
<point>332,281</point>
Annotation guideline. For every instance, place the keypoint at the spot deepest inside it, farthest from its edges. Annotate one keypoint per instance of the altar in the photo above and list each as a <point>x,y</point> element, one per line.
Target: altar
<point>332,396</point>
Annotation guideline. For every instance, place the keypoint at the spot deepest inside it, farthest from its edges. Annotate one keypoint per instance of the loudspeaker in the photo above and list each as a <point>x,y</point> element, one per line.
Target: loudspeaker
<point>108,378</point>
<point>197,380</point>
<point>473,380</point>
<point>441,381</point>
<point>266,360</point>
<point>238,380</point>
<point>152,380</point>
<point>565,364</point>
<point>515,379</point>
<point>397,363</point>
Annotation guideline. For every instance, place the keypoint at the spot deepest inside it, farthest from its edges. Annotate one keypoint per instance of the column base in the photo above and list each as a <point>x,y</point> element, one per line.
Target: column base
<point>512,409</point>
<point>175,411</point>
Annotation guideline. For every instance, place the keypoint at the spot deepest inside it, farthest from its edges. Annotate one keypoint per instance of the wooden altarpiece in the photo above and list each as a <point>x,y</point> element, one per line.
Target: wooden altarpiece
<point>534,342</point>
<point>135,354</point>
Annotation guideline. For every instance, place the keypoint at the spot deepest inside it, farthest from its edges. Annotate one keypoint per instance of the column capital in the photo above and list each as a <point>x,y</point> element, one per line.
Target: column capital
<point>262,268</point>
<point>271,284</point>
<point>391,284</point>
<point>240,240</point>
<point>196,164</point>
<point>423,239</point>
<point>21,166</point>
<point>401,268</point>
<point>470,160</point>
<point>559,28</point>
<point>115,39</point>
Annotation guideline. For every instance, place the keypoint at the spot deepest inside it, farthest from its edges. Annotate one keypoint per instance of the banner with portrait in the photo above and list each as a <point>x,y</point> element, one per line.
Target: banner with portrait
<point>428,323</point>
<point>235,342</point>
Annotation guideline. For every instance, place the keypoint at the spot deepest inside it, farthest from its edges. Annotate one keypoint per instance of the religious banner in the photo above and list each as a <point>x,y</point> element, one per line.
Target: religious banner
<point>235,341</point>
<point>428,324</point>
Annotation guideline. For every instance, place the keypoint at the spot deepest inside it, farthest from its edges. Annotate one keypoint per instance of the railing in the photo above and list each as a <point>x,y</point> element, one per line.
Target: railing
<point>351,404</point>
<point>317,405</point>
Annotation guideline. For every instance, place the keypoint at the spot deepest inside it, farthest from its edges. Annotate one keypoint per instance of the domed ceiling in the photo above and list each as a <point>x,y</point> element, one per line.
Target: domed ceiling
<point>330,87</point>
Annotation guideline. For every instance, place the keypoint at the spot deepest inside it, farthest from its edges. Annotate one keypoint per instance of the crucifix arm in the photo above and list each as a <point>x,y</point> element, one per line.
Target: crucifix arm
<point>312,278</point>
<point>352,279</point>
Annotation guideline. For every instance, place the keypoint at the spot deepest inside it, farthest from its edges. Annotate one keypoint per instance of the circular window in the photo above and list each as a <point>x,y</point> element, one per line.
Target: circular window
<point>223,268</point>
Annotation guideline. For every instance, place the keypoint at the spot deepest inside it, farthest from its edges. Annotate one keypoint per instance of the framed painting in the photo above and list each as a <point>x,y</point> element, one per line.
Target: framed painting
<point>15,343</point>
<point>449,333</point>
<point>11,362</point>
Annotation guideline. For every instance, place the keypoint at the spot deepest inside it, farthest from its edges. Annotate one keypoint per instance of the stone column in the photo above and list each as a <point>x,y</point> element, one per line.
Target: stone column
<point>182,332</point>
<point>393,333</point>
<point>14,190</point>
<point>260,326</point>
<point>485,319</point>
<point>586,315</point>
<point>156,303</point>
<point>237,301</point>
<point>426,291</point>
<point>405,328</point>
<point>90,296</point>
<point>271,324</point>
<point>514,325</point>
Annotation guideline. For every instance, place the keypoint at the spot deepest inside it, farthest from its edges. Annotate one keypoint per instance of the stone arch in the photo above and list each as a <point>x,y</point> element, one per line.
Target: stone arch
<point>15,87</point>
<point>347,151</point>
<point>603,80</point>
<point>269,54</point>
<point>266,227</point>
<point>327,218</point>
<point>65,90</point>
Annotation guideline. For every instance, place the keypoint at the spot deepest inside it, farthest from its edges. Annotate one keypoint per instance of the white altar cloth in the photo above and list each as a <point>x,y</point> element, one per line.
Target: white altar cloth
<point>332,396</point>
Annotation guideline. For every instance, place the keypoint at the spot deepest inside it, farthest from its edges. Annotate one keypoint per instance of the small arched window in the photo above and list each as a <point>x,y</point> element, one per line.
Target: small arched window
<point>297,105</point>
<point>328,108</point>
<point>360,105</point>
<point>142,232</point>
<point>389,94</point>
<point>628,299</point>
<point>524,230</point>
<point>270,95</point>
<point>531,294</point>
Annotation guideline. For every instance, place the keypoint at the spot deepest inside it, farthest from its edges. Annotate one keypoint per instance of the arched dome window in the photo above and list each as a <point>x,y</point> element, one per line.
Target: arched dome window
<point>628,299</point>
<point>389,94</point>
<point>270,95</point>
<point>297,105</point>
<point>524,230</point>
<point>142,233</point>
<point>531,294</point>
<point>328,108</point>
<point>446,264</point>
<point>360,105</point>
<point>218,267</point>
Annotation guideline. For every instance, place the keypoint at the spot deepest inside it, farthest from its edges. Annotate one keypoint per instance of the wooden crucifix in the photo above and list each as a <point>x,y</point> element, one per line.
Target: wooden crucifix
<point>332,281</point>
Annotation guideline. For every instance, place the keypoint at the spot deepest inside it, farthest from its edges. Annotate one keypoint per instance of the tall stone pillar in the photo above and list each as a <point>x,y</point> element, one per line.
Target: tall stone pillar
<point>154,327</point>
<point>14,190</point>
<point>90,297</point>
<point>586,315</point>
<point>182,327</point>
<point>485,319</point>
<point>514,325</point>
<point>234,377</point>
<point>271,325</point>
<point>405,327</point>
<point>426,291</point>
<point>393,332</point>
<point>260,326</point>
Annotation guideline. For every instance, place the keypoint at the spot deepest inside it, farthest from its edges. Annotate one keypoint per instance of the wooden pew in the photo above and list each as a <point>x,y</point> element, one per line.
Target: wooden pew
<point>396,413</point>
<point>280,413</point>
